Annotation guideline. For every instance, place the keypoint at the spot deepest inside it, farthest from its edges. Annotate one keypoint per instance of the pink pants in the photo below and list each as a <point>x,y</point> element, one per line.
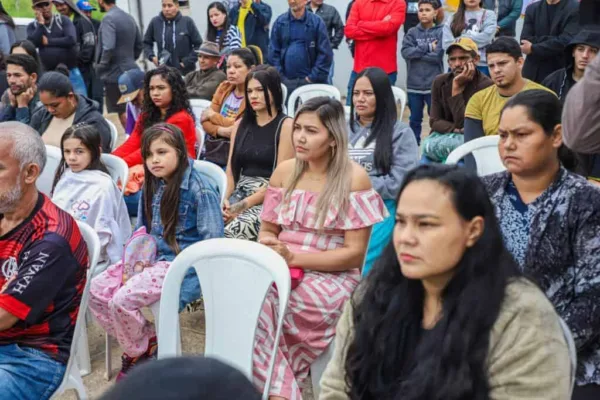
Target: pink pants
<point>117,306</point>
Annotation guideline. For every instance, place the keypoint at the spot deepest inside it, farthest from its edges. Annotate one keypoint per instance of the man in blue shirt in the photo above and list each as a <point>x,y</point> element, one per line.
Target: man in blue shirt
<point>300,47</point>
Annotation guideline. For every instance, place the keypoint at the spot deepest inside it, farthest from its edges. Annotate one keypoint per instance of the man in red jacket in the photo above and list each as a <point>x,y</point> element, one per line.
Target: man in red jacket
<point>373,26</point>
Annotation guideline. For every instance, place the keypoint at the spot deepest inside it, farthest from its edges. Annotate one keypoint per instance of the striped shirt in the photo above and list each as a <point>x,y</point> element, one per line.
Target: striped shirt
<point>233,39</point>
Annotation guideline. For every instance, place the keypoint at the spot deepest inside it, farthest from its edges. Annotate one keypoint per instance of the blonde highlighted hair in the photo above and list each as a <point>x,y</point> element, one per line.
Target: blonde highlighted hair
<point>339,177</point>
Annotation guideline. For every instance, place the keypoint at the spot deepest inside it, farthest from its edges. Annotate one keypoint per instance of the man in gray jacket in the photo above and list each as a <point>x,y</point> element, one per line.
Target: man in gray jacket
<point>120,45</point>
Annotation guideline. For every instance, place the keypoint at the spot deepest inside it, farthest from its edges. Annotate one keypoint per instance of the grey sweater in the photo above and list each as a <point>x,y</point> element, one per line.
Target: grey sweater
<point>405,156</point>
<point>423,62</point>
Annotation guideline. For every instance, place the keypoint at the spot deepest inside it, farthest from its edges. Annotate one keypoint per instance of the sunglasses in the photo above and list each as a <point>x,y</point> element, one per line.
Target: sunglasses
<point>41,5</point>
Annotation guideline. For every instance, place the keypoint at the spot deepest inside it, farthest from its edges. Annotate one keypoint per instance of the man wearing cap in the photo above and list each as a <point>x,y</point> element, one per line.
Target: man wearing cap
<point>131,85</point>
<point>450,94</point>
<point>119,46</point>
<point>86,8</point>
<point>86,39</point>
<point>203,83</point>
<point>54,36</point>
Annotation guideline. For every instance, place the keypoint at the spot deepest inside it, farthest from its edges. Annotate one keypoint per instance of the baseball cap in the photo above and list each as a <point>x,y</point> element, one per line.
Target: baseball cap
<point>184,378</point>
<point>130,83</point>
<point>464,43</point>
<point>85,6</point>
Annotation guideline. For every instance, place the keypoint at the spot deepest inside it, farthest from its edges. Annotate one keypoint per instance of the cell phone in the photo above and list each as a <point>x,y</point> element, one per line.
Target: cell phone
<point>589,14</point>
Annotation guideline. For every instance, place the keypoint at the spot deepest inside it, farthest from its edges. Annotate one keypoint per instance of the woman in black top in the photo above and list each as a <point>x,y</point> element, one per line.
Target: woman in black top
<point>259,142</point>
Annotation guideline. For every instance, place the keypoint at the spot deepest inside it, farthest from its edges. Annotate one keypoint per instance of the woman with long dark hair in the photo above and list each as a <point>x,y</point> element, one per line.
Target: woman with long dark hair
<point>473,21</point>
<point>385,146</point>
<point>260,142</point>
<point>550,220</point>
<point>7,30</point>
<point>165,100</point>
<point>445,314</point>
<point>219,29</point>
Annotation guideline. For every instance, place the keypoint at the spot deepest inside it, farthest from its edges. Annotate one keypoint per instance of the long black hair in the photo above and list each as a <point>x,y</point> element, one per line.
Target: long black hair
<point>169,204</point>
<point>389,356</point>
<point>211,31</point>
<point>91,139</point>
<point>269,79</point>
<point>180,98</point>
<point>4,16</point>
<point>545,109</point>
<point>459,24</point>
<point>385,119</point>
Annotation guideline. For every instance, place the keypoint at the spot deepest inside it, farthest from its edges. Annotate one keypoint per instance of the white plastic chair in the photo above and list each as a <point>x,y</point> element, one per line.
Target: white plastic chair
<point>485,152</point>
<point>572,350</point>
<point>214,174</point>
<point>79,360</point>
<point>306,92</point>
<point>53,157</point>
<point>199,105</point>
<point>117,168</point>
<point>199,140</point>
<point>114,134</point>
<point>284,90</point>
<point>235,276</point>
<point>400,96</point>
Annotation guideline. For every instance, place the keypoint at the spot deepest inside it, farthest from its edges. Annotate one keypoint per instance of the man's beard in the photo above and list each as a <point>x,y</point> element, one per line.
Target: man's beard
<point>10,200</point>
<point>19,91</point>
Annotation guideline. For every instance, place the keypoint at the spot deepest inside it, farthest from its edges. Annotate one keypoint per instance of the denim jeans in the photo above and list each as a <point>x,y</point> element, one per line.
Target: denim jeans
<point>416,102</point>
<point>28,374</point>
<point>484,69</point>
<point>132,201</point>
<point>190,289</point>
<point>393,76</point>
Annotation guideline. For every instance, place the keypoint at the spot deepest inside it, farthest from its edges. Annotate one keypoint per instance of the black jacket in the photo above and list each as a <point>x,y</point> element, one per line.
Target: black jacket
<point>87,111</point>
<point>86,40</point>
<point>562,81</point>
<point>180,37</point>
<point>333,23</point>
<point>548,40</point>
<point>62,42</point>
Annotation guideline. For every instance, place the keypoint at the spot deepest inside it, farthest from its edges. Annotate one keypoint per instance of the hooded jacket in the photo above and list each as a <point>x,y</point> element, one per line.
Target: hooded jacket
<point>424,64</point>
<point>86,111</point>
<point>180,37</point>
<point>562,81</point>
<point>548,39</point>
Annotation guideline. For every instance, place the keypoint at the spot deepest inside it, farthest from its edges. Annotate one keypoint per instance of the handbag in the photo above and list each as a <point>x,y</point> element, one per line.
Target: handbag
<point>139,253</point>
<point>216,150</point>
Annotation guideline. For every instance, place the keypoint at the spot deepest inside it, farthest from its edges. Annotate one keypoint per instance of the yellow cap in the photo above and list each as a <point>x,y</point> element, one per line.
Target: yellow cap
<point>464,43</point>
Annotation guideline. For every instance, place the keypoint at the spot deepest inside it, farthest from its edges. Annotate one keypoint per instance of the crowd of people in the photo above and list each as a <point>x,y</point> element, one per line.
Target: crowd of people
<point>427,280</point>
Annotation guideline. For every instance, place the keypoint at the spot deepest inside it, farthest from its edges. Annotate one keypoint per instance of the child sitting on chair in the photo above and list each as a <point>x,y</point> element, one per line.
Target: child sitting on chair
<point>83,188</point>
<point>177,208</point>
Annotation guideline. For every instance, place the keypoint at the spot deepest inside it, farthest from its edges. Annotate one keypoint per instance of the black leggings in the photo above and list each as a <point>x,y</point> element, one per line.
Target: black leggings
<point>587,392</point>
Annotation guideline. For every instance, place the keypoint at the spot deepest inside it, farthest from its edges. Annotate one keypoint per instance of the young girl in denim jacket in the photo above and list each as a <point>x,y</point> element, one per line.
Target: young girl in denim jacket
<point>178,208</point>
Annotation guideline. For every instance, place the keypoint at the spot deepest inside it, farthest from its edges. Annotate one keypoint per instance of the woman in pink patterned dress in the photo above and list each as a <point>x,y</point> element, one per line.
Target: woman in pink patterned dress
<point>317,214</point>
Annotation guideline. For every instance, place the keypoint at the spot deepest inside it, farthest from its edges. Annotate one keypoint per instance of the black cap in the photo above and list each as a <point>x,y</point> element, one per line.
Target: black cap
<point>184,378</point>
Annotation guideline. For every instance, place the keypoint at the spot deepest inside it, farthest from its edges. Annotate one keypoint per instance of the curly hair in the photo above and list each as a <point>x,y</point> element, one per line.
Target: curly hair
<point>180,98</point>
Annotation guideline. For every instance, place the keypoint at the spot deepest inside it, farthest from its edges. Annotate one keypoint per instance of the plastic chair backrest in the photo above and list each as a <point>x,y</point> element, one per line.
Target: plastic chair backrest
<point>485,152</point>
<point>117,168</point>
<point>306,92</point>
<point>284,91</point>
<point>214,174</point>
<point>44,181</point>
<point>199,140</point>
<point>400,96</point>
<point>199,105</point>
<point>114,134</point>
<point>235,276</point>
<point>72,377</point>
<point>572,350</point>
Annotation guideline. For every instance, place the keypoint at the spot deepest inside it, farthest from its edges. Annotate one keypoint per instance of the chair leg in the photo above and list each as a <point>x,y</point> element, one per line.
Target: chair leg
<point>108,357</point>
<point>83,352</point>
<point>75,382</point>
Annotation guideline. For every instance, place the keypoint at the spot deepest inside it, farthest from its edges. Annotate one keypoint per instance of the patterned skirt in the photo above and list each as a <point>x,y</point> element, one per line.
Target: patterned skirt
<point>247,224</point>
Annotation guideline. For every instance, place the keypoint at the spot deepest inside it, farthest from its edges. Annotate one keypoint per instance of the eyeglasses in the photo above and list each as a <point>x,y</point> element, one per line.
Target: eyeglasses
<point>41,5</point>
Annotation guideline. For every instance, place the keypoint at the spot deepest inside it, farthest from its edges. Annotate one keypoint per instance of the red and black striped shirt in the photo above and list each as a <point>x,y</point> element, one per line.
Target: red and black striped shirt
<point>43,265</point>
